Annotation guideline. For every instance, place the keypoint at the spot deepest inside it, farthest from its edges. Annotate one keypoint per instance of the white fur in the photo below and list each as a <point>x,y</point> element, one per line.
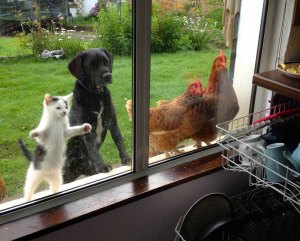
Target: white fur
<point>99,128</point>
<point>50,133</point>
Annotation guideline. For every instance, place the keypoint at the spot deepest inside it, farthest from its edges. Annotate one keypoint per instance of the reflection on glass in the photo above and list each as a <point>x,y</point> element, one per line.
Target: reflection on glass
<point>190,86</point>
<point>89,57</point>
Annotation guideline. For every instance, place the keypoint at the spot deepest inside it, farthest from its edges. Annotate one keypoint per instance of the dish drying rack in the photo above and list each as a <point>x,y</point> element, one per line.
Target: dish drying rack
<point>230,134</point>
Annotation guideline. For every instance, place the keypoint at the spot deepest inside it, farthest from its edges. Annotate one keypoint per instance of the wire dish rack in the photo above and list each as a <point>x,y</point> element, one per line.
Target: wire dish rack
<point>230,135</point>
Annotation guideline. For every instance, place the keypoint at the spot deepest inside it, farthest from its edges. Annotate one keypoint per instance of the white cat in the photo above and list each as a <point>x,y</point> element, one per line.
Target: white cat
<point>48,159</point>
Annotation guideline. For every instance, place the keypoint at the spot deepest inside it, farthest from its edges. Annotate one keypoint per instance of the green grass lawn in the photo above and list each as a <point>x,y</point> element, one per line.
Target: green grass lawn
<point>9,47</point>
<point>24,81</point>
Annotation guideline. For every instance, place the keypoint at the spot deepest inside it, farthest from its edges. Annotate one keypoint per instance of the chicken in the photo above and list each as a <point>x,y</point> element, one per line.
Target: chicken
<point>219,63</point>
<point>172,121</point>
<point>227,106</point>
<point>165,116</point>
<point>193,114</point>
<point>128,107</point>
<point>2,189</point>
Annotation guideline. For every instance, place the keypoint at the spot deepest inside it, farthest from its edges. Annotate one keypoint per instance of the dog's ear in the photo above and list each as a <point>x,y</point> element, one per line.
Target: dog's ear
<point>75,66</point>
<point>110,57</point>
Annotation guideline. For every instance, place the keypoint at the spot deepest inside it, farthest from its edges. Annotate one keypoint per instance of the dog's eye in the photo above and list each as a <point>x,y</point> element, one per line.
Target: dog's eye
<point>105,62</point>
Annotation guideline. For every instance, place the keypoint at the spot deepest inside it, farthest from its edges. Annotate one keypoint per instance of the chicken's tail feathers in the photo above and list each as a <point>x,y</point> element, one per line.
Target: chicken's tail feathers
<point>128,107</point>
<point>26,152</point>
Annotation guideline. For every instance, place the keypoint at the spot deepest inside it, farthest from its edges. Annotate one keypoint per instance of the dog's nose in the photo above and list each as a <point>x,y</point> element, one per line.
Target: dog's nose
<point>107,74</point>
<point>107,77</point>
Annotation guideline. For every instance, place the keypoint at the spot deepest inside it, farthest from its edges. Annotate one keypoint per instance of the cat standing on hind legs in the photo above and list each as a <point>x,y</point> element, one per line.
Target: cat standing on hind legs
<point>47,161</point>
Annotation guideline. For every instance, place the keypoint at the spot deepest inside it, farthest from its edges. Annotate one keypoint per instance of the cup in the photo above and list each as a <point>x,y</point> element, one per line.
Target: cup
<point>246,147</point>
<point>296,156</point>
<point>278,159</point>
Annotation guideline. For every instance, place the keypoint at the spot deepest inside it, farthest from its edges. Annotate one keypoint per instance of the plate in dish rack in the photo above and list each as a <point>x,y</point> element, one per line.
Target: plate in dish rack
<point>291,69</point>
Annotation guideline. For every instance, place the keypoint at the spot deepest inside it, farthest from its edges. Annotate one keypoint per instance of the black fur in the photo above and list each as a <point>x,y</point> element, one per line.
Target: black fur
<point>38,156</point>
<point>25,150</point>
<point>92,104</point>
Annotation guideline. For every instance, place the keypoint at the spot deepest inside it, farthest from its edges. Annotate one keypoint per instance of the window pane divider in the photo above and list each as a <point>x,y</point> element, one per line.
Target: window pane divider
<point>142,60</point>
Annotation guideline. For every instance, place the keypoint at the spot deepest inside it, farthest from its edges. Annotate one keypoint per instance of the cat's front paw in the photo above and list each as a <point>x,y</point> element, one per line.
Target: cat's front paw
<point>35,133</point>
<point>86,128</point>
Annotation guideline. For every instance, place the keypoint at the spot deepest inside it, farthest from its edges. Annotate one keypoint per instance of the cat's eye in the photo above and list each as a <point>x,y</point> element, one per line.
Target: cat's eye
<point>58,108</point>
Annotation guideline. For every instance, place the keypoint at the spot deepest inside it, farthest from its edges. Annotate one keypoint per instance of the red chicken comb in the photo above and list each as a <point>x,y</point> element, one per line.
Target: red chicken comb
<point>223,57</point>
<point>195,87</point>
<point>198,83</point>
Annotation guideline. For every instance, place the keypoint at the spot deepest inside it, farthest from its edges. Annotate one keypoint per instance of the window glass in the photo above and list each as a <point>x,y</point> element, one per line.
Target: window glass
<point>55,50</point>
<point>192,87</point>
<point>192,70</point>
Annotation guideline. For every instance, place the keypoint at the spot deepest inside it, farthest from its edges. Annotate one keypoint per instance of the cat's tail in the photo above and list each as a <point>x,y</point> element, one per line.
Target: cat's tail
<point>25,150</point>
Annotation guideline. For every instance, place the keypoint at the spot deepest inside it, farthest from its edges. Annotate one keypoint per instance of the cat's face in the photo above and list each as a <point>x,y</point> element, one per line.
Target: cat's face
<point>58,105</point>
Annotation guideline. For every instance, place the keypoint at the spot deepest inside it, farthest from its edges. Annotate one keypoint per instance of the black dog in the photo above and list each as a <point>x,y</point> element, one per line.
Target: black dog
<point>92,104</point>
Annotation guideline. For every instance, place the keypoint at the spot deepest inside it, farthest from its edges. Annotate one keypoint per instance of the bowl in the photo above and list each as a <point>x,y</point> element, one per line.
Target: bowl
<point>290,69</point>
<point>204,216</point>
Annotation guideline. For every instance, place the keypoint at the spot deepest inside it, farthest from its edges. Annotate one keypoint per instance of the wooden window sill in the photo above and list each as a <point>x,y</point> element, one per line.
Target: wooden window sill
<point>64,215</point>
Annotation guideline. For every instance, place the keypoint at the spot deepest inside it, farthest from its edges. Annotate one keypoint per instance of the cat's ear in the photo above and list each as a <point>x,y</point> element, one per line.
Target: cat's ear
<point>68,97</point>
<point>47,99</point>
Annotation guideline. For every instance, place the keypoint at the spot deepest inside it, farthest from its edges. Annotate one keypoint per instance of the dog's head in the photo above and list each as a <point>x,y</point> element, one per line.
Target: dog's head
<point>93,67</point>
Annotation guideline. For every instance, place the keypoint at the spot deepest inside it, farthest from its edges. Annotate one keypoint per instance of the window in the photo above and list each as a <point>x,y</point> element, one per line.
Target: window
<point>61,49</point>
<point>188,53</point>
<point>170,53</point>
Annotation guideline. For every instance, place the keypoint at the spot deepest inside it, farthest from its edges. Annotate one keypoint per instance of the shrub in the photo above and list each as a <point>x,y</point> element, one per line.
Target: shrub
<point>40,38</point>
<point>215,17</point>
<point>170,32</point>
<point>79,21</point>
<point>197,31</point>
<point>186,30</point>
<point>115,29</point>
<point>200,40</point>
<point>214,20</point>
<point>203,31</point>
<point>166,33</point>
<point>66,41</point>
<point>38,41</point>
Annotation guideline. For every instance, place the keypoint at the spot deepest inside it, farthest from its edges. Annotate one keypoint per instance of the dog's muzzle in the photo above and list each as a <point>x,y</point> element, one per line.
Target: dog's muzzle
<point>107,77</point>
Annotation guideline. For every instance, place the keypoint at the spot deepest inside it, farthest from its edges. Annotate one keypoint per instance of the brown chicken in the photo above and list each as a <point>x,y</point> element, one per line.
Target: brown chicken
<point>227,106</point>
<point>2,189</point>
<point>172,121</point>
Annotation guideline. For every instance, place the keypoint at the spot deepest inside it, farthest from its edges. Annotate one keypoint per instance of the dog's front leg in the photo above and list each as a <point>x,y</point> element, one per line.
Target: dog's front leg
<point>118,139</point>
<point>96,161</point>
